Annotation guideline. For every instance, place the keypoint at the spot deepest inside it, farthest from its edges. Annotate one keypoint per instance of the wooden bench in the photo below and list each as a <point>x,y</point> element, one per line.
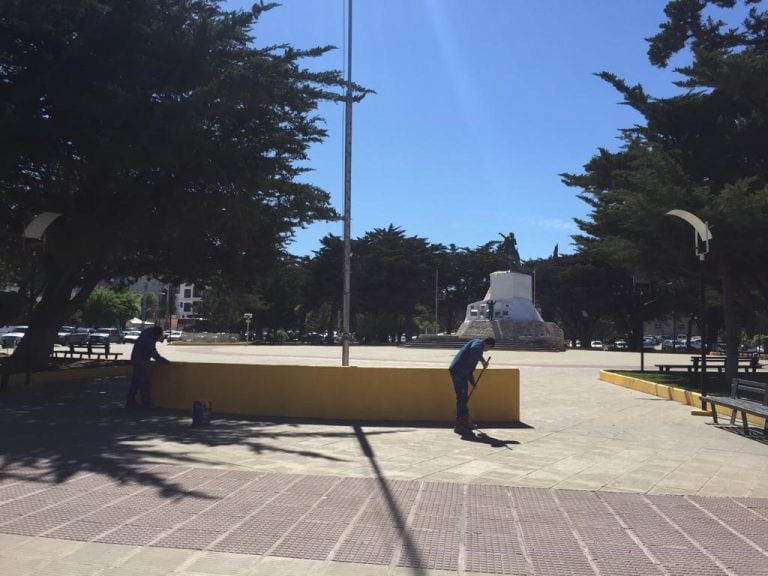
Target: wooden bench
<point>86,352</point>
<point>752,363</point>
<point>747,397</point>
<point>669,367</point>
<point>688,367</point>
<point>720,367</point>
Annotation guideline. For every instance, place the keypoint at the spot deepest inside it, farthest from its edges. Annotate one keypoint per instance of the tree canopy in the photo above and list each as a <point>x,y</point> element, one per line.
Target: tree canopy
<point>169,143</point>
<point>702,151</point>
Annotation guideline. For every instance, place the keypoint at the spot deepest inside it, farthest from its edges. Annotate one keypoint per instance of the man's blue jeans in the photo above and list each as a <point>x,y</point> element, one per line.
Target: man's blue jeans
<point>460,386</point>
<point>140,384</point>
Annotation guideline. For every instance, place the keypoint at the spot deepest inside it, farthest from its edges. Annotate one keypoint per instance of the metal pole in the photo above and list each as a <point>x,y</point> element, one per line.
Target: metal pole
<point>437,317</point>
<point>702,328</point>
<point>168,306</point>
<point>642,339</point>
<point>347,195</point>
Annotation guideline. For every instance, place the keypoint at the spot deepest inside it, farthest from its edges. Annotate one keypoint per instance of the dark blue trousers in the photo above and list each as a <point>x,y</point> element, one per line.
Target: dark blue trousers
<point>461,382</point>
<point>140,384</point>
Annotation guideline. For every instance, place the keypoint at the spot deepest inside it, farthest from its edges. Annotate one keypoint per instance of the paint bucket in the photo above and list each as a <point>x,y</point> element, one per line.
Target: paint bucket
<point>201,412</point>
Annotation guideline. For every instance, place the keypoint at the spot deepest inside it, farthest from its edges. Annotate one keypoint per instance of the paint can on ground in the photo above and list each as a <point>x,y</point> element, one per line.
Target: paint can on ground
<point>201,412</point>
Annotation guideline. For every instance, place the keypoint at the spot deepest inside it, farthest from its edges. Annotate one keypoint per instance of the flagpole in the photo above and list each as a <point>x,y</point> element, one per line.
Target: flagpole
<point>345,336</point>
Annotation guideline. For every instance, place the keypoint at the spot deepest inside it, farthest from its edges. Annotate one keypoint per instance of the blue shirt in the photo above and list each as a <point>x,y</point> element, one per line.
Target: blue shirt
<point>467,358</point>
<point>145,348</point>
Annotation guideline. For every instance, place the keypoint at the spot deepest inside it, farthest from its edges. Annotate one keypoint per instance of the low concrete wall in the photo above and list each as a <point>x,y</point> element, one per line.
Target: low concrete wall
<point>334,392</point>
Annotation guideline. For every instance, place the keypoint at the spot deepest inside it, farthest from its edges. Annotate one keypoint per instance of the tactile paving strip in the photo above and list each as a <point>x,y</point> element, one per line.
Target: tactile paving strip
<point>411,524</point>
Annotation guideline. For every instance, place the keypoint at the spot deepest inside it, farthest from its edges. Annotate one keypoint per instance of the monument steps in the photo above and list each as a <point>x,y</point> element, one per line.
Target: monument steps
<point>456,342</point>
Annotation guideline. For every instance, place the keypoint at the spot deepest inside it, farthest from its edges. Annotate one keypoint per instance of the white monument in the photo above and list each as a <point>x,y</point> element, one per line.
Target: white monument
<point>507,313</point>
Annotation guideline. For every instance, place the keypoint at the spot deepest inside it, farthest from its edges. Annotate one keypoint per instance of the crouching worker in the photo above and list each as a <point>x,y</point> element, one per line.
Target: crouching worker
<point>462,373</point>
<point>144,349</point>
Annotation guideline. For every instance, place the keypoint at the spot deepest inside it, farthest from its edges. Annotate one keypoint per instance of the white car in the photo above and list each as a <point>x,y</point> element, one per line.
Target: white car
<point>173,335</point>
<point>12,336</point>
<point>130,336</point>
<point>596,344</point>
<point>63,334</point>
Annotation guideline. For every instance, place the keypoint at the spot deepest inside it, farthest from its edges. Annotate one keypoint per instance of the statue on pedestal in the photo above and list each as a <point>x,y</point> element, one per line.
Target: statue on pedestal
<point>509,246</point>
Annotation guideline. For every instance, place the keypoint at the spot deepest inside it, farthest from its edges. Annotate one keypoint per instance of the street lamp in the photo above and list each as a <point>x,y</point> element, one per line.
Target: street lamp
<point>701,238</point>
<point>247,317</point>
<point>35,231</point>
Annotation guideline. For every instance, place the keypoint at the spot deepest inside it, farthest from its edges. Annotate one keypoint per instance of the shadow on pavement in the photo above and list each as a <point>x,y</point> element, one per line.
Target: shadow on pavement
<point>67,428</point>
<point>755,434</point>
<point>411,550</point>
<point>485,438</point>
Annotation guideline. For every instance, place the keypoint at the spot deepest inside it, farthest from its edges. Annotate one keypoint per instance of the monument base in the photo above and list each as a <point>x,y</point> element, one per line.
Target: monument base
<point>516,334</point>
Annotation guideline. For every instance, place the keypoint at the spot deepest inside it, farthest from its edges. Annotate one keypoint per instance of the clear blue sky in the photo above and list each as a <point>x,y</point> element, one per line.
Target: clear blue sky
<point>478,107</point>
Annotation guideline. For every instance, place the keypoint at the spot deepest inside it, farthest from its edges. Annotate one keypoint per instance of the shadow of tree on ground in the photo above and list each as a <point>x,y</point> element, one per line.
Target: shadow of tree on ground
<point>62,429</point>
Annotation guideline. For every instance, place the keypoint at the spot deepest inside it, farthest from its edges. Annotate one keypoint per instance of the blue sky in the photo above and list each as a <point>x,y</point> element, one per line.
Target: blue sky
<point>478,107</point>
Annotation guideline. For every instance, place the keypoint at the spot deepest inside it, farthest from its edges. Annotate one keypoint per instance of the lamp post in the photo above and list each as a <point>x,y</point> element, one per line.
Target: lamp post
<point>641,289</point>
<point>437,316</point>
<point>346,290</point>
<point>701,238</point>
<point>35,231</point>
<point>168,306</point>
<point>247,317</point>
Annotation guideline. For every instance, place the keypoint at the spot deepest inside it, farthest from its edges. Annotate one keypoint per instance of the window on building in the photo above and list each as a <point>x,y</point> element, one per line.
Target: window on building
<point>187,292</point>
<point>187,306</point>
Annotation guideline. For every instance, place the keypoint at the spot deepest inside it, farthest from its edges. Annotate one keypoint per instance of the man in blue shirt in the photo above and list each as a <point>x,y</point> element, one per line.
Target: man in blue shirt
<point>461,370</point>
<point>144,349</point>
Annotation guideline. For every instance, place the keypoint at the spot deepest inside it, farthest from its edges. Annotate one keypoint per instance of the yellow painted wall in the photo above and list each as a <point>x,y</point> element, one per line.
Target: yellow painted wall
<point>334,392</point>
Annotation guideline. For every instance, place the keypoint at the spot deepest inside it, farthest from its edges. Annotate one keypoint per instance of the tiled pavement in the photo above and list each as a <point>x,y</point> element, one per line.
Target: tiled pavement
<point>409,524</point>
<point>87,489</point>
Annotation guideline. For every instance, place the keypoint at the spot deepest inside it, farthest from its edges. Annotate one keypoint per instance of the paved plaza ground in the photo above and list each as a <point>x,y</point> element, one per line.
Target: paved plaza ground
<point>597,479</point>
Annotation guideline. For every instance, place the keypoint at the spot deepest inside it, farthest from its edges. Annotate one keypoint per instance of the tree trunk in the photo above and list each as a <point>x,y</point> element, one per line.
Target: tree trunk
<point>53,309</point>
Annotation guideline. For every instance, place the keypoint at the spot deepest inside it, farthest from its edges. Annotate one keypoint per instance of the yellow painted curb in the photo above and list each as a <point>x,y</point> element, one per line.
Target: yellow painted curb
<point>680,395</point>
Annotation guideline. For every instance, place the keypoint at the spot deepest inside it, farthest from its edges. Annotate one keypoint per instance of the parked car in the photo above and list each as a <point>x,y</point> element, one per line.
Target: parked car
<point>115,335</point>
<point>64,331</point>
<point>99,336</point>
<point>670,344</point>
<point>695,343</point>
<point>596,344</point>
<point>173,335</point>
<point>620,345</point>
<point>13,336</point>
<point>131,336</point>
<point>78,337</point>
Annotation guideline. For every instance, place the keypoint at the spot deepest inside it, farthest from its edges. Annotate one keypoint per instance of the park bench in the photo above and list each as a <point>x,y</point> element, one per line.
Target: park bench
<point>747,397</point>
<point>744,363</point>
<point>87,351</point>
<point>712,364</point>
<point>689,367</point>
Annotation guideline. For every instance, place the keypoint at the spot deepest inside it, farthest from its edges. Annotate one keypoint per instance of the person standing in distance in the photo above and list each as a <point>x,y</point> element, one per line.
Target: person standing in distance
<point>461,370</point>
<point>144,349</point>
